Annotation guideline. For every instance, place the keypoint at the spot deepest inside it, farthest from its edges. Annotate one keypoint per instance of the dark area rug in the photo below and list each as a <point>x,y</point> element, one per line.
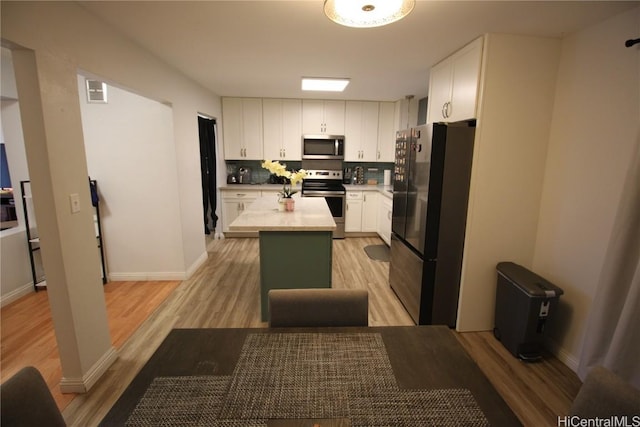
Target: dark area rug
<point>377,252</point>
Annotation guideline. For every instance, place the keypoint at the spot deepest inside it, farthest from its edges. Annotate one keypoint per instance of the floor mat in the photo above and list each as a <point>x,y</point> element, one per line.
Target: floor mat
<point>377,252</point>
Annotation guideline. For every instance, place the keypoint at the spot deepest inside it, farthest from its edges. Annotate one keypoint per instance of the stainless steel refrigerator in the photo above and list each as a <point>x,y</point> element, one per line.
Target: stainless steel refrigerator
<point>430,195</point>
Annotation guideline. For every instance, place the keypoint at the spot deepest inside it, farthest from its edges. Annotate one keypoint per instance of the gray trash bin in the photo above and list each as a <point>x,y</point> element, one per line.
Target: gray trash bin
<point>524,303</point>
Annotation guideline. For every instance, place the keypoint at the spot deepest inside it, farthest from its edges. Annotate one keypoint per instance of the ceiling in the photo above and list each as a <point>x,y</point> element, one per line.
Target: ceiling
<point>263,48</point>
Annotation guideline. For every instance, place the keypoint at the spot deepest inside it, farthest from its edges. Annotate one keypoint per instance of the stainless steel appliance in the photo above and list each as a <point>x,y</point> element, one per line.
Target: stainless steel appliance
<point>323,147</point>
<point>328,184</point>
<point>346,178</point>
<point>430,195</point>
<point>244,176</point>
<point>358,175</point>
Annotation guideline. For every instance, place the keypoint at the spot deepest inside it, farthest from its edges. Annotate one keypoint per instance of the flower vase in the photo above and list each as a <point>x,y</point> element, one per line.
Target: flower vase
<point>290,204</point>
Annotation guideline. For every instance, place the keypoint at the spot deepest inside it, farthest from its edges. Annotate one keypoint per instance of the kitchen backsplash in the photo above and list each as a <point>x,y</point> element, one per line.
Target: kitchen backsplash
<point>372,170</point>
<point>259,175</point>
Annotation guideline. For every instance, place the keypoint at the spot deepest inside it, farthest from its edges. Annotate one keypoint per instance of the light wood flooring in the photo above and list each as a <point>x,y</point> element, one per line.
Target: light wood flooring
<point>28,338</point>
<point>225,293</point>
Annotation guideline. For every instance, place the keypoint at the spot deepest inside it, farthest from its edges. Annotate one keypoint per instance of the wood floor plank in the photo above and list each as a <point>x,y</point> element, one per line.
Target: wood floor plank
<point>224,293</point>
<point>28,338</point>
<point>536,392</point>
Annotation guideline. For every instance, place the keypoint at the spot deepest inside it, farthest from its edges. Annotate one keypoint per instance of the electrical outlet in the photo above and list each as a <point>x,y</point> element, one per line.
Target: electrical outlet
<point>75,202</point>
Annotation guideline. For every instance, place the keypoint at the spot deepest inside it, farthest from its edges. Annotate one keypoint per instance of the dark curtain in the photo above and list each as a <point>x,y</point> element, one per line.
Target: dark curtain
<point>208,170</point>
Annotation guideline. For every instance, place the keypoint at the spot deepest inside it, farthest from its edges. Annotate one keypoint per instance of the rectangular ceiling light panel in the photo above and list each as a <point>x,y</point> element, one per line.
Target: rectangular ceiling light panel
<point>324,84</point>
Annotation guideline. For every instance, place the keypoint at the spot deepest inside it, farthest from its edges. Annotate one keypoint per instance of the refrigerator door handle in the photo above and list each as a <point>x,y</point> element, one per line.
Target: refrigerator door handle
<point>419,148</point>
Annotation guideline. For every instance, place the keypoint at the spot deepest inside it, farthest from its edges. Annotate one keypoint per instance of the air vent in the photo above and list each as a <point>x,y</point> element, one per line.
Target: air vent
<point>96,91</point>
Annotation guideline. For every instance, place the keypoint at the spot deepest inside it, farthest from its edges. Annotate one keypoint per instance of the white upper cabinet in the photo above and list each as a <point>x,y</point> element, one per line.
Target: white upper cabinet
<point>361,131</point>
<point>386,132</point>
<point>272,128</point>
<point>242,128</point>
<point>453,85</point>
<point>282,122</point>
<point>323,117</point>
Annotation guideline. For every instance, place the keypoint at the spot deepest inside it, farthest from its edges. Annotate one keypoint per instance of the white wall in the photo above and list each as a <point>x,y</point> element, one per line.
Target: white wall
<point>52,42</point>
<point>594,128</point>
<point>130,152</point>
<point>68,31</point>
<point>15,269</point>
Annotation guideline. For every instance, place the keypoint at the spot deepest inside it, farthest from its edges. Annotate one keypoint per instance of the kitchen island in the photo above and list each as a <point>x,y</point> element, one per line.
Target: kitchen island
<point>295,247</point>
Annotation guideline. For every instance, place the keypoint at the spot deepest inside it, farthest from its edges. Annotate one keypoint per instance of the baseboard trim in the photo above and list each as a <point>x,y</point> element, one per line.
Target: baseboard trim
<point>16,294</point>
<point>160,275</point>
<point>197,264</point>
<point>84,384</point>
<point>142,276</point>
<point>563,355</point>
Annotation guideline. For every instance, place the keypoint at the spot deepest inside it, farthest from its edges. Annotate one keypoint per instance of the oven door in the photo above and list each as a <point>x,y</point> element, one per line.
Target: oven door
<point>336,201</point>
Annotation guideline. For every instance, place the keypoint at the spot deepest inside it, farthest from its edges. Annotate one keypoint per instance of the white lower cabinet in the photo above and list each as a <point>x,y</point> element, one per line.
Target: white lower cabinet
<point>370,211</point>
<point>385,210</point>
<point>362,211</point>
<point>353,213</point>
<point>233,203</point>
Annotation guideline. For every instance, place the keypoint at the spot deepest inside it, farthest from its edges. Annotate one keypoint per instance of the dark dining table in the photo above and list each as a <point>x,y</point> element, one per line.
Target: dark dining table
<point>341,376</point>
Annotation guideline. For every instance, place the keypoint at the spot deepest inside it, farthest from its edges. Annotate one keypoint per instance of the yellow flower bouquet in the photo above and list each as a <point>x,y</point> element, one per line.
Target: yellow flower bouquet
<point>279,169</point>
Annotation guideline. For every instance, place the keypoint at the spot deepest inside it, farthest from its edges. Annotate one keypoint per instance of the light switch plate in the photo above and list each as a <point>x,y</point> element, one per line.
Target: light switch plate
<point>75,202</point>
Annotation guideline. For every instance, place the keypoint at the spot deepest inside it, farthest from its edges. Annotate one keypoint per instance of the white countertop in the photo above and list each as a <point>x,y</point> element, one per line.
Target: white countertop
<point>258,187</point>
<point>310,214</point>
<point>385,190</point>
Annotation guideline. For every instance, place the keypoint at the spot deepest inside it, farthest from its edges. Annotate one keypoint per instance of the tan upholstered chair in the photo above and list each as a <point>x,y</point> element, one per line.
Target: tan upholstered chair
<point>318,307</point>
<point>603,395</point>
<point>25,400</point>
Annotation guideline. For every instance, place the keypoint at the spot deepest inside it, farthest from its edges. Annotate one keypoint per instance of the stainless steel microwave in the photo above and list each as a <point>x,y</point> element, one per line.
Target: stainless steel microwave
<point>323,147</point>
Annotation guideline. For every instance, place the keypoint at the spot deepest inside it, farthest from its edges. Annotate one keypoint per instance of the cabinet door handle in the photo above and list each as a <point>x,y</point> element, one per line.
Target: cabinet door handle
<point>444,110</point>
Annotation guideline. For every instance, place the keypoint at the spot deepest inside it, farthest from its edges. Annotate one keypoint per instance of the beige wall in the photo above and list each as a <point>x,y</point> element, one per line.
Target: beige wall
<point>594,128</point>
<point>510,148</point>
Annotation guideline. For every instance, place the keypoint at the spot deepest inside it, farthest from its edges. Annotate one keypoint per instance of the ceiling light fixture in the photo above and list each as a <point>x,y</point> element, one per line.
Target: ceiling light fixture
<point>324,84</point>
<point>367,13</point>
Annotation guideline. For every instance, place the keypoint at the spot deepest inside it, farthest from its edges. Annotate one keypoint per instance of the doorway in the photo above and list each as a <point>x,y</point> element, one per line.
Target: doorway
<point>207,132</point>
